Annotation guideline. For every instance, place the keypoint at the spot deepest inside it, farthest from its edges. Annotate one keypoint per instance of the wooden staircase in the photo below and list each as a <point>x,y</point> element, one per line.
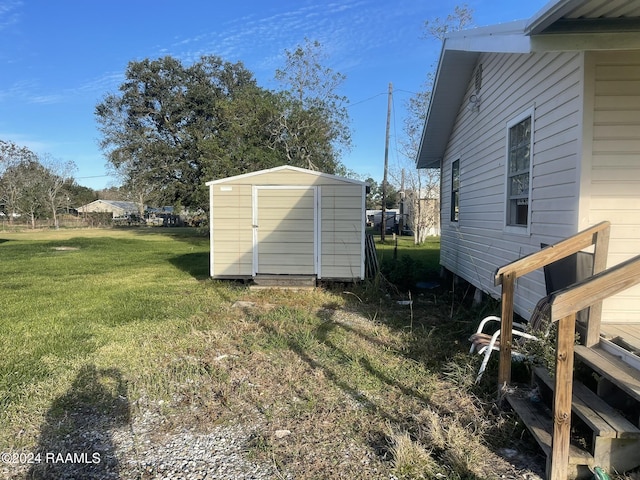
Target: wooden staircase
<point>602,436</point>
<point>613,442</point>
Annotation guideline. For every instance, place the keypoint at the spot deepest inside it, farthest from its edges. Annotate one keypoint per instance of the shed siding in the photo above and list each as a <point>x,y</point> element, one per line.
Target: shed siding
<point>615,165</point>
<point>286,229</point>
<point>285,177</point>
<point>285,242</point>
<point>342,224</point>
<point>231,231</point>
<point>476,245</point>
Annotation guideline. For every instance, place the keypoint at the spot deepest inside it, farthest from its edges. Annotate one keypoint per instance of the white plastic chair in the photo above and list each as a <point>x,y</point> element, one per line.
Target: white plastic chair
<point>484,343</point>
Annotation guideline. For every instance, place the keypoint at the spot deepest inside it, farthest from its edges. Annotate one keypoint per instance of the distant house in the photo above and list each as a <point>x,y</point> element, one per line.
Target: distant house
<point>535,125</point>
<point>115,207</point>
<point>422,212</point>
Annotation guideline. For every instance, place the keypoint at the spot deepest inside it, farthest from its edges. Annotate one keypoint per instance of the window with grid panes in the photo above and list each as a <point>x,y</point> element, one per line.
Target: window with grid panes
<point>455,190</point>
<point>518,173</point>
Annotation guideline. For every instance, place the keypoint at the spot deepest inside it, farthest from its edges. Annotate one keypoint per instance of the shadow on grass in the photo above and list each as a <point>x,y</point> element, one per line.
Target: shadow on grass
<point>334,354</point>
<point>76,439</point>
<point>191,235</point>
<point>195,264</point>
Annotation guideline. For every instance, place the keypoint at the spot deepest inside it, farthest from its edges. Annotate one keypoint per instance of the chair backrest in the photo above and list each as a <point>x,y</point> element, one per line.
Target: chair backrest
<point>567,271</point>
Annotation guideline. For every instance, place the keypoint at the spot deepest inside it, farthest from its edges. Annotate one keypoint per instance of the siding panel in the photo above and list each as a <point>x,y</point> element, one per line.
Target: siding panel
<point>615,171</point>
<point>478,244</point>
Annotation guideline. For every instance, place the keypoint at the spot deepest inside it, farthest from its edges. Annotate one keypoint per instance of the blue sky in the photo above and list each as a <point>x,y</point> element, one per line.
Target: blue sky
<point>60,57</point>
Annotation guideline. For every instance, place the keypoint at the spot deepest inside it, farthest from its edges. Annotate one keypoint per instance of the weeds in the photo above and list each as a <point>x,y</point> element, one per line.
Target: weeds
<point>367,389</point>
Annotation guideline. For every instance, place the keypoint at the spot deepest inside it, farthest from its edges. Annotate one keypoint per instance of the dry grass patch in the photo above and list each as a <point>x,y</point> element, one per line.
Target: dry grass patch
<point>332,385</point>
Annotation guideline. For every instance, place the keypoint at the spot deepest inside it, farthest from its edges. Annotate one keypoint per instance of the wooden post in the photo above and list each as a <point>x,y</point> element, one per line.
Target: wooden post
<point>563,393</point>
<point>506,325</point>
<point>600,254</point>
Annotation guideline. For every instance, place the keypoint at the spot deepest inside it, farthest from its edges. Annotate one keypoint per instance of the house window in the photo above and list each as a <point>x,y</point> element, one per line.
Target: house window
<point>519,171</point>
<point>455,190</point>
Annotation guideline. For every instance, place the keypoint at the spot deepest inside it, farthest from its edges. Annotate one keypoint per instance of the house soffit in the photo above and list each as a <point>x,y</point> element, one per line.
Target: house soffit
<point>560,25</point>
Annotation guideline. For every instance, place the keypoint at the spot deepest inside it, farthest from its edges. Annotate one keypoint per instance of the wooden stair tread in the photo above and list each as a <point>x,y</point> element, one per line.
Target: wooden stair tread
<point>616,371</point>
<point>540,424</point>
<point>603,419</point>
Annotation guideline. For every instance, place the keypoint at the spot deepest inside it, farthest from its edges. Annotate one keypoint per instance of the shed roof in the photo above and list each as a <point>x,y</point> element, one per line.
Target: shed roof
<point>583,21</point>
<point>285,168</point>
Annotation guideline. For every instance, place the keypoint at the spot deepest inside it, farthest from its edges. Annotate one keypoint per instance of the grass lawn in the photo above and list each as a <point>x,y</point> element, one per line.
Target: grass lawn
<point>406,264</point>
<point>126,322</point>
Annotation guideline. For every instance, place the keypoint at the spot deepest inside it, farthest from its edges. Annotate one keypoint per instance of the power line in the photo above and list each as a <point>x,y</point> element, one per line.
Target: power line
<point>379,95</point>
<point>367,99</point>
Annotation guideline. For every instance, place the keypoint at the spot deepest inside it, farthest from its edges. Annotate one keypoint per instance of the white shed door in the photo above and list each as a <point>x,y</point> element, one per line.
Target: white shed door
<point>285,230</point>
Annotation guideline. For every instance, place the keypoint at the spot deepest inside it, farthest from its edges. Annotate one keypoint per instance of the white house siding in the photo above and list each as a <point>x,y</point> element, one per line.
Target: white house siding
<point>476,245</point>
<point>614,183</point>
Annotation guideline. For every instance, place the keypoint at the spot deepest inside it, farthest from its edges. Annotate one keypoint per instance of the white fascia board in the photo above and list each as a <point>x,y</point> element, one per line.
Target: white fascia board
<point>501,38</point>
<point>585,42</point>
<point>513,43</point>
<point>552,11</point>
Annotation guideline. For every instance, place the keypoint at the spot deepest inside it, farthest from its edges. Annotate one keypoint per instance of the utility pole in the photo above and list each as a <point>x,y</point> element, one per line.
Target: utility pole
<point>401,223</point>
<point>383,223</point>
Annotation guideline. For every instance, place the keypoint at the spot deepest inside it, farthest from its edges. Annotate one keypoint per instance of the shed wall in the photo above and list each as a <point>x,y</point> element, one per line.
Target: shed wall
<point>476,245</point>
<point>231,231</point>
<point>342,231</point>
<point>340,224</point>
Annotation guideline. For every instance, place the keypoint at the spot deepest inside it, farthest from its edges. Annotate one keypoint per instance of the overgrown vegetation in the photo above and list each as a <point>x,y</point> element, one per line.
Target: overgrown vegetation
<point>367,389</point>
<point>406,265</point>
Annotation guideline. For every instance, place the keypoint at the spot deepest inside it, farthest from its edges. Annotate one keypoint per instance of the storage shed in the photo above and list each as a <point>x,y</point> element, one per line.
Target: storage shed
<point>287,221</point>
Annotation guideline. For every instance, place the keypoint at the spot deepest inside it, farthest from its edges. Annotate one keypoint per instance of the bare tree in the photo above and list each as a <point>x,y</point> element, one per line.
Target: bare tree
<point>313,126</point>
<point>421,187</point>
<point>56,175</point>
<point>11,191</point>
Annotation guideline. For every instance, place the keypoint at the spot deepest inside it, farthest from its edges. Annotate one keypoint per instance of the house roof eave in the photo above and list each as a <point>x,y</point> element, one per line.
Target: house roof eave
<point>454,70</point>
<point>549,14</point>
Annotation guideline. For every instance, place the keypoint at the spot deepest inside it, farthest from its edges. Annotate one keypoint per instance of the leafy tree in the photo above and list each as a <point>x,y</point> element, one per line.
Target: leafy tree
<point>11,155</point>
<point>374,197</point>
<point>172,127</point>
<point>27,178</point>
<point>77,195</point>
<point>30,185</point>
<point>313,125</point>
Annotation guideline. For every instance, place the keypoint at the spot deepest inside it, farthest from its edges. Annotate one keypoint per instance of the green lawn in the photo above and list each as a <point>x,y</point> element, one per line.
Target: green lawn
<point>406,264</point>
<point>89,296</point>
<point>122,322</point>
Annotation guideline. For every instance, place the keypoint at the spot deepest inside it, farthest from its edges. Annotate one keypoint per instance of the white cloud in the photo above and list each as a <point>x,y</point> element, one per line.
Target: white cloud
<point>9,13</point>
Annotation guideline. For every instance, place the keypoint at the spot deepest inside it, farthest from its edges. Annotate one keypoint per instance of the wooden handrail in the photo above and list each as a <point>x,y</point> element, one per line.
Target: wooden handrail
<point>565,304</point>
<point>552,253</point>
<point>594,289</point>
<point>507,275</point>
